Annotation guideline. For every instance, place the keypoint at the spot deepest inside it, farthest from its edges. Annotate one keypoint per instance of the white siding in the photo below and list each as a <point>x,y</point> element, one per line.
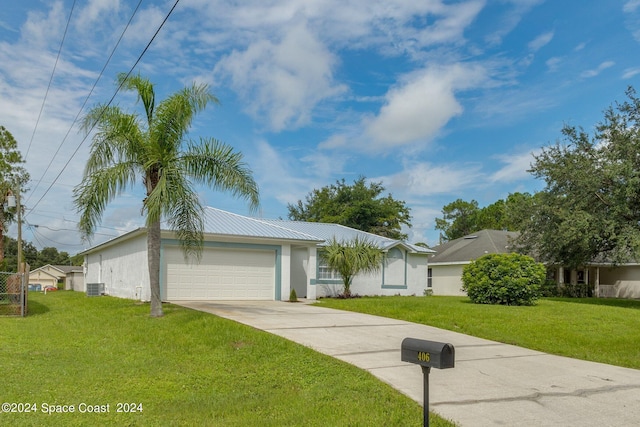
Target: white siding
<point>122,268</point>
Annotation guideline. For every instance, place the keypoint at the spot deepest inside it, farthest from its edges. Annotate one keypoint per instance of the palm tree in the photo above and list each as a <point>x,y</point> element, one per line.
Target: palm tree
<point>127,148</point>
<point>350,258</point>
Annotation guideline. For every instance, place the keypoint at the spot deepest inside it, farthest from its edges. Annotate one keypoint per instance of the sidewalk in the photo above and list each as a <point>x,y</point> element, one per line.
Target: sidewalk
<point>492,384</point>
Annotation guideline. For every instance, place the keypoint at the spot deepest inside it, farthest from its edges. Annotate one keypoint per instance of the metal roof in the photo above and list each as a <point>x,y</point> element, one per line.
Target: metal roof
<point>221,222</point>
<point>474,246</point>
<point>328,231</point>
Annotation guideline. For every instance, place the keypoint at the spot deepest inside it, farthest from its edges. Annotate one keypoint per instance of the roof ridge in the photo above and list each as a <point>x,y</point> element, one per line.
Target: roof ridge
<point>265,222</point>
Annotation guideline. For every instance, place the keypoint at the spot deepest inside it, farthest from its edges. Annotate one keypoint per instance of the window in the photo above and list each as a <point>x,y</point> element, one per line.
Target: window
<point>429,278</point>
<point>394,253</point>
<point>326,273</point>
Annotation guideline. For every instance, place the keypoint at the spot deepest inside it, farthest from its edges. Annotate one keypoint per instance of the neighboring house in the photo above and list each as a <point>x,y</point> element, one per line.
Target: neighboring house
<point>445,267</point>
<point>50,275</point>
<point>251,259</point>
<point>606,280</point>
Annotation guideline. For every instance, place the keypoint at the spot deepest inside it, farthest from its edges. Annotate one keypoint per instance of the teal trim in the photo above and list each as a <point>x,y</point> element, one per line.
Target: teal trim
<point>404,281</point>
<point>406,262</point>
<point>394,286</point>
<point>326,281</point>
<point>230,245</point>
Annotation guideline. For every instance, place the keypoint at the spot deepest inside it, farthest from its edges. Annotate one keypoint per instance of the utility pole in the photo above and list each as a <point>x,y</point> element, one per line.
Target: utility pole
<point>19,208</point>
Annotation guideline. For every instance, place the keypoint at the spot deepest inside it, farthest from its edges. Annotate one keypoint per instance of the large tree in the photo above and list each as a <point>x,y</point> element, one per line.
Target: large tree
<point>461,218</point>
<point>156,151</point>
<point>13,178</point>
<point>358,206</point>
<point>590,207</point>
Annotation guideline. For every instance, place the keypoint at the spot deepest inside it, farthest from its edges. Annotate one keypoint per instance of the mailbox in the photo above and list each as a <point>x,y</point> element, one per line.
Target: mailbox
<point>429,354</point>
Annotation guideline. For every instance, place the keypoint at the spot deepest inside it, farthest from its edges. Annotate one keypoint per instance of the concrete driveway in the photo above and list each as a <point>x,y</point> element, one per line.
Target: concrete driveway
<point>492,384</point>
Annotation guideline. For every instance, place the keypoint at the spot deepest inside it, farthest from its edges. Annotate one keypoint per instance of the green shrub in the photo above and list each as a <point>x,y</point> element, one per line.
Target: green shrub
<point>549,289</point>
<point>292,296</point>
<point>507,279</point>
<point>576,290</point>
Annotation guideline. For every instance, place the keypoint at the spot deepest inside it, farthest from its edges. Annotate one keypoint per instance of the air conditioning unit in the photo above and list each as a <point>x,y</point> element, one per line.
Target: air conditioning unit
<point>95,289</point>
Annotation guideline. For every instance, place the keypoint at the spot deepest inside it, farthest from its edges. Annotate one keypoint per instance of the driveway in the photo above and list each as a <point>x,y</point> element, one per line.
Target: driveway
<point>492,384</point>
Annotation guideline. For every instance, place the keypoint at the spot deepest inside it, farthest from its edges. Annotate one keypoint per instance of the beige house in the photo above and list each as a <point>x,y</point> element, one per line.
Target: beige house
<point>445,267</point>
<point>605,279</point>
<point>51,275</point>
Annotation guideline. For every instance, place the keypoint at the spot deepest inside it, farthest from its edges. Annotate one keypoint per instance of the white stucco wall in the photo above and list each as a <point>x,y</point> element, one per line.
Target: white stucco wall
<point>389,281</point>
<point>122,268</point>
<point>447,279</point>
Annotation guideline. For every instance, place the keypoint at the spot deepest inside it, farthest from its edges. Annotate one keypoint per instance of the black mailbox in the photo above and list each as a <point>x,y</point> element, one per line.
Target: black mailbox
<point>430,354</point>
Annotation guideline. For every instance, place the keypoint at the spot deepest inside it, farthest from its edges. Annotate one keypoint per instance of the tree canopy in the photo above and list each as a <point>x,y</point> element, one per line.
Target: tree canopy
<point>13,178</point>
<point>33,257</point>
<point>358,206</point>
<point>590,207</point>
<point>154,150</point>
<point>461,218</point>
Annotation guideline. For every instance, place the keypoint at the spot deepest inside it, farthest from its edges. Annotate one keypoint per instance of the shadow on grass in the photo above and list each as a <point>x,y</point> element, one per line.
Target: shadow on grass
<point>609,302</point>
<point>35,308</point>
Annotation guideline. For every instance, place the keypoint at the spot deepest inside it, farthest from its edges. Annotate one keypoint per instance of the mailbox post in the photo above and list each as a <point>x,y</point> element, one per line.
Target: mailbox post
<point>427,354</point>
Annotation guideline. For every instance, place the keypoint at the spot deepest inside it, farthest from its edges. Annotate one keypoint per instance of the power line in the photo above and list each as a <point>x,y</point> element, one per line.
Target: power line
<point>107,105</point>
<point>55,65</point>
<point>82,108</point>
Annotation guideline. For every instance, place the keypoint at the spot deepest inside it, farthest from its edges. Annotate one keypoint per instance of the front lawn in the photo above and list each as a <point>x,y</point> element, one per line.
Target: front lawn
<point>601,330</point>
<point>188,368</point>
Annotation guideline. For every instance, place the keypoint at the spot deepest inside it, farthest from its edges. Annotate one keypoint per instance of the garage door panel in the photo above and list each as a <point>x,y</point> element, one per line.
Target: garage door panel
<point>221,274</point>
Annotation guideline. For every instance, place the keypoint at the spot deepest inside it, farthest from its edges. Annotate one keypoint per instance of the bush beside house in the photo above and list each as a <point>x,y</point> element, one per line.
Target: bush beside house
<point>507,279</point>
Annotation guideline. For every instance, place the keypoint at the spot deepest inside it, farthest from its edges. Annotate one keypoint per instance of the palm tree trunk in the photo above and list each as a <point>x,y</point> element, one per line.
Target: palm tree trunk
<point>153,254</point>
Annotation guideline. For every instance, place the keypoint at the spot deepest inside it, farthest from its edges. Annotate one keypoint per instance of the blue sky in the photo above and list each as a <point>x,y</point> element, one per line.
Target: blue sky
<point>439,100</point>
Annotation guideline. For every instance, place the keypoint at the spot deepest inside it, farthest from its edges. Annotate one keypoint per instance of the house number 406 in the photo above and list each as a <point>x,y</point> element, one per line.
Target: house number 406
<point>424,356</point>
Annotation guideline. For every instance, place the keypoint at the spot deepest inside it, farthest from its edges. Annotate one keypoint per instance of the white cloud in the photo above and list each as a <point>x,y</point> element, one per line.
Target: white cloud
<point>426,179</point>
<point>279,174</point>
<point>511,19</point>
<point>594,72</point>
<point>541,41</point>
<point>631,6</point>
<point>553,63</point>
<point>456,17</point>
<point>95,12</point>
<point>419,107</point>
<point>283,80</point>
<point>630,72</point>
<point>515,168</point>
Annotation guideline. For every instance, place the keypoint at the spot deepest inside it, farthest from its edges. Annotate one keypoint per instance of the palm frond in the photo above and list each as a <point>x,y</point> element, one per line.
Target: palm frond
<point>118,139</point>
<point>218,166</point>
<point>97,190</point>
<point>352,257</point>
<point>144,89</point>
<point>175,114</point>
<point>174,199</point>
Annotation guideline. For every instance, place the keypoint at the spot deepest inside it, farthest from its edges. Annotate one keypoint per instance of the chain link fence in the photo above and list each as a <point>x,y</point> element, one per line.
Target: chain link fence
<point>13,294</point>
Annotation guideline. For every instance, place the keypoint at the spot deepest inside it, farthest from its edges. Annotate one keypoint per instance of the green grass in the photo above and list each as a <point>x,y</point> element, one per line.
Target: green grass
<point>600,330</point>
<point>187,368</point>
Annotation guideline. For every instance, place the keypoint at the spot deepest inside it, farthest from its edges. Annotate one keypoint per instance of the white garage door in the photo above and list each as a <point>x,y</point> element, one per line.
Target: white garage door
<point>223,274</point>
